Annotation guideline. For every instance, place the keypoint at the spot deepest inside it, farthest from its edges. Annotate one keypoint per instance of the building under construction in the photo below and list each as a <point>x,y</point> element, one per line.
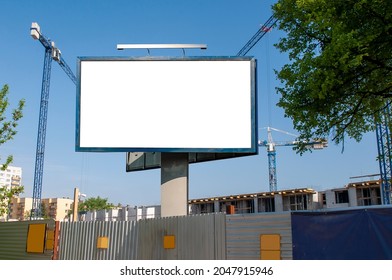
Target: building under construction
<point>364,193</point>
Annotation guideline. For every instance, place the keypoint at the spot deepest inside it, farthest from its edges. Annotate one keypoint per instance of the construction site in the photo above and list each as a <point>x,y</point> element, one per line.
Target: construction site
<point>352,222</point>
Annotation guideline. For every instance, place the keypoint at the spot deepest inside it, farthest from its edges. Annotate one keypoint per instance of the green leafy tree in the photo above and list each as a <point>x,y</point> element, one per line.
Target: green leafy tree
<point>339,78</point>
<point>26,215</point>
<point>95,203</point>
<point>6,194</point>
<point>44,211</point>
<point>8,124</point>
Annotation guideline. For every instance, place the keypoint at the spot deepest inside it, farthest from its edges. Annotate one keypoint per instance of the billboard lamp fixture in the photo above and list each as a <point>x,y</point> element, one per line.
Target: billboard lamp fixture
<point>161,46</point>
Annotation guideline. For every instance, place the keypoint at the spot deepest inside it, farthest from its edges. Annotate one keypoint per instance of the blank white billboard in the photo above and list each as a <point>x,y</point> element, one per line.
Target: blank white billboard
<point>157,104</point>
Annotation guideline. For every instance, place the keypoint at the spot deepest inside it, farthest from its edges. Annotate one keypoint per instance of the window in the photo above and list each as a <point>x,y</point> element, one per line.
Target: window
<point>270,204</point>
<point>298,202</point>
<point>324,198</point>
<point>378,196</point>
<point>222,206</point>
<point>266,204</point>
<point>364,198</point>
<point>207,208</point>
<point>341,196</point>
<point>244,206</point>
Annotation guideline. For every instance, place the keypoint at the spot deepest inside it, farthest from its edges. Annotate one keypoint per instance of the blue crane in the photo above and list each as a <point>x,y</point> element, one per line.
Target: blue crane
<point>271,152</point>
<point>51,53</point>
<point>384,142</point>
<point>267,26</point>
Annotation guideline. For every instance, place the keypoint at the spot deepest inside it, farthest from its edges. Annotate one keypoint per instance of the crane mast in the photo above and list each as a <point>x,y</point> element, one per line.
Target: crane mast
<point>51,53</point>
<point>384,142</point>
<point>271,153</point>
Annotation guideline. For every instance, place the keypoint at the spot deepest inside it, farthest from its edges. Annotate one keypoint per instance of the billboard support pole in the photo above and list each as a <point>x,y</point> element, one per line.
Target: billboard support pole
<point>75,205</point>
<point>174,184</point>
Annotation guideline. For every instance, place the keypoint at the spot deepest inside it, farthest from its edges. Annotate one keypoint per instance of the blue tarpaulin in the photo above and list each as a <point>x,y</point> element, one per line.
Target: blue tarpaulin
<point>358,234</point>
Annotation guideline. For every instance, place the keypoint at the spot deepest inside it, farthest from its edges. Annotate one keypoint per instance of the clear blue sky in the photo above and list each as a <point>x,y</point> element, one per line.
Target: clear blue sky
<point>94,28</point>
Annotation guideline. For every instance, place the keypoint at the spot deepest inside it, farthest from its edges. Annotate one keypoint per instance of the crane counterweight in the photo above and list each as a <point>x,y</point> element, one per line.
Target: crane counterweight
<point>35,30</point>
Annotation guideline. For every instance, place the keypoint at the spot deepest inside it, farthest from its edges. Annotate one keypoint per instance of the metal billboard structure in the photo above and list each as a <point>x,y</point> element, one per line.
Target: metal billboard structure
<point>167,112</point>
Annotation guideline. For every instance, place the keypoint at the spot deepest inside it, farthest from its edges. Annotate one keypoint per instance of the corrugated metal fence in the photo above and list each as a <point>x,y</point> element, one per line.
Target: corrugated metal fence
<point>13,241</point>
<point>197,237</point>
<point>204,237</point>
<point>78,240</point>
<point>243,234</point>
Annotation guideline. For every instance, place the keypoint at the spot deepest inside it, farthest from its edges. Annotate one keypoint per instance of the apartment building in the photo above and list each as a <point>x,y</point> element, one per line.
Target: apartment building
<point>11,177</point>
<point>52,208</point>
<point>57,208</point>
<point>20,208</point>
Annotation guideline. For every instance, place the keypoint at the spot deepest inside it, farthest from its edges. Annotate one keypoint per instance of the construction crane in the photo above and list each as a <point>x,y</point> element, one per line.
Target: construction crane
<point>264,29</point>
<point>271,152</point>
<point>384,143</point>
<point>51,53</point>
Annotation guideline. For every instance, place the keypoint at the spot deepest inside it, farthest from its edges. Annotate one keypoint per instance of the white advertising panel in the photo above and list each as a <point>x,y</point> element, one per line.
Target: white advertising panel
<point>176,104</point>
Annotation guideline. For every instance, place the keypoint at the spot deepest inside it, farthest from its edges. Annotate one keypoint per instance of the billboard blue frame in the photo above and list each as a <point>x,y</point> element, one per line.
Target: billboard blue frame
<point>253,97</point>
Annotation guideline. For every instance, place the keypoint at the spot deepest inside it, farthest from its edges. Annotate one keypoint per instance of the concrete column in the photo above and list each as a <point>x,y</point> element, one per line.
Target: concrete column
<point>278,203</point>
<point>216,206</point>
<point>174,184</point>
<point>352,197</point>
<point>330,198</point>
<point>256,205</point>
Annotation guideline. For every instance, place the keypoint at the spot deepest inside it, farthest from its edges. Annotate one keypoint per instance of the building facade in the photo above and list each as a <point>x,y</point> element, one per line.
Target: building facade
<point>52,208</point>
<point>363,193</point>
<point>285,200</point>
<point>127,213</point>
<point>20,208</point>
<point>57,208</point>
<point>11,177</point>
